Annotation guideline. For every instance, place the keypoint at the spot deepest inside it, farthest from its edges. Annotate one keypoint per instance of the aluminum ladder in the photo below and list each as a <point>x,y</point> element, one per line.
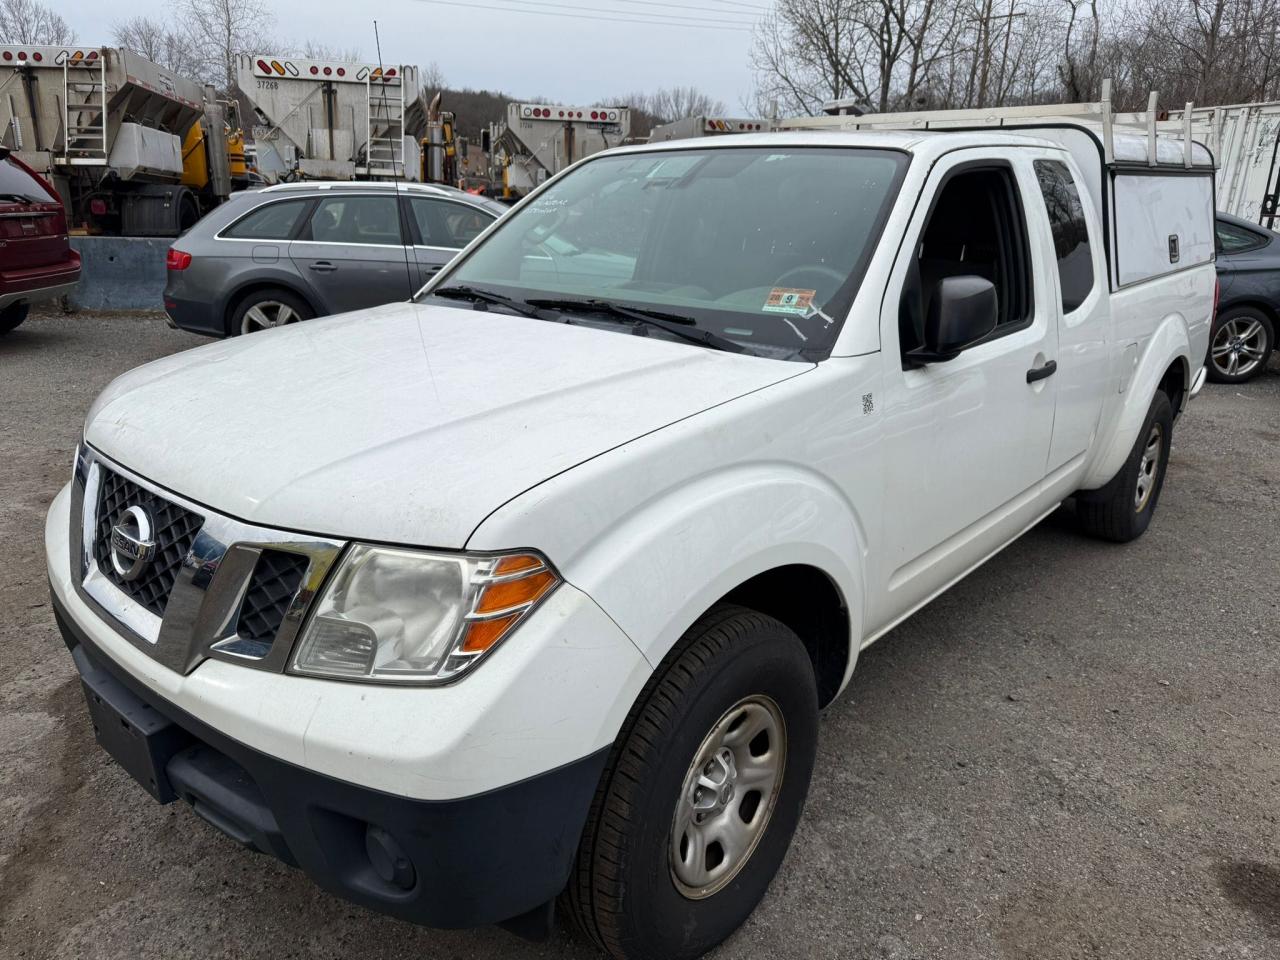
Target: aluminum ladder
<point>384,133</point>
<point>84,100</point>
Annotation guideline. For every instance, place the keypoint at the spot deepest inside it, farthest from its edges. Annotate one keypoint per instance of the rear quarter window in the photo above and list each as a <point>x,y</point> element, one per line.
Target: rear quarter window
<point>272,221</point>
<point>1071,244</point>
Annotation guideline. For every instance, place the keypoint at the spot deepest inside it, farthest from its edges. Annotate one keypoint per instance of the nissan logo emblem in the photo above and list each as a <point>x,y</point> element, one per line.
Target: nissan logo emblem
<point>131,545</point>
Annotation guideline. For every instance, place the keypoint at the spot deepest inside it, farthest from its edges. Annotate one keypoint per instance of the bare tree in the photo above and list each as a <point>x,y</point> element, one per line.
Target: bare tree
<point>909,54</point>
<point>28,21</point>
<point>157,41</point>
<point>313,50</point>
<point>673,103</point>
<point>431,77</point>
<point>221,30</point>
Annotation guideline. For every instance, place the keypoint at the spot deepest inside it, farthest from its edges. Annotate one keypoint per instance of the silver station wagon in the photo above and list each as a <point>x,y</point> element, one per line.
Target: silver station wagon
<point>270,257</point>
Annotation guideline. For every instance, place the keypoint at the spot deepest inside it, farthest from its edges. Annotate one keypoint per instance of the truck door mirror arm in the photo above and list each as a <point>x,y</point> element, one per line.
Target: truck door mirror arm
<point>962,311</point>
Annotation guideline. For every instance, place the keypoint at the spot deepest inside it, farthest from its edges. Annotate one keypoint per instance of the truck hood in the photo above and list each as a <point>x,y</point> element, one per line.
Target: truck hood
<point>406,423</point>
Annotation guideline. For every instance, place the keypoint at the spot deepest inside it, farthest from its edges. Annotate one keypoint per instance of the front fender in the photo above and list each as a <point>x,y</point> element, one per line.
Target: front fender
<point>1140,376</point>
<point>657,567</point>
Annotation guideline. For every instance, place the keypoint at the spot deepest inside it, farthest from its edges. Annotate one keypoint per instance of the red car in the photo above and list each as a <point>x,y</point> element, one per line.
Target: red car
<point>36,259</point>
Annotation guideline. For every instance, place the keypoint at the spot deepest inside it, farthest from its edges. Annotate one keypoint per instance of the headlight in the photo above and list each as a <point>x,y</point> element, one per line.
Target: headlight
<point>391,615</point>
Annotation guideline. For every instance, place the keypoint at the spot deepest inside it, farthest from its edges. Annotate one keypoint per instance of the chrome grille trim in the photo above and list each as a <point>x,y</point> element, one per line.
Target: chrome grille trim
<point>203,610</point>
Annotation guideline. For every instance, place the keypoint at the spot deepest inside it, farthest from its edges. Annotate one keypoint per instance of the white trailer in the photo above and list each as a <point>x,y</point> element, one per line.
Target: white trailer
<point>333,120</point>
<point>1243,138</point>
<point>538,140</point>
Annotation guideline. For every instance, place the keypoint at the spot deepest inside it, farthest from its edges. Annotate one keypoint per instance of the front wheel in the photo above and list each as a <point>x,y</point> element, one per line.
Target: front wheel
<point>703,791</point>
<point>1241,344</point>
<point>1121,511</point>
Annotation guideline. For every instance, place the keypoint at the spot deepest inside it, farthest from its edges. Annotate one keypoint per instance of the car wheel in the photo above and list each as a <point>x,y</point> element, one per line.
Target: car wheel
<point>1243,338</point>
<point>11,317</point>
<point>702,793</point>
<point>1121,511</point>
<point>266,309</point>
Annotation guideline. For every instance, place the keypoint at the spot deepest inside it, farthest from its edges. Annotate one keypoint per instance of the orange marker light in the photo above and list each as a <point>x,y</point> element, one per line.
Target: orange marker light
<point>514,593</point>
<point>483,634</point>
<point>524,561</point>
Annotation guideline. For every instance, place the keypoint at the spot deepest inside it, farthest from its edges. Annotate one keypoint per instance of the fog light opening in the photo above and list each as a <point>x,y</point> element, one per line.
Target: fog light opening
<point>390,863</point>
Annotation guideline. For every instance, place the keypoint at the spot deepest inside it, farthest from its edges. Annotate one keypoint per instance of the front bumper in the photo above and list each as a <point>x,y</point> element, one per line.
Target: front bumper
<point>473,861</point>
<point>484,784</point>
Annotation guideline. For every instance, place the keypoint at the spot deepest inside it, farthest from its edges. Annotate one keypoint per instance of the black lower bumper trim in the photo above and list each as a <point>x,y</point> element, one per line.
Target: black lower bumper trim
<point>490,858</point>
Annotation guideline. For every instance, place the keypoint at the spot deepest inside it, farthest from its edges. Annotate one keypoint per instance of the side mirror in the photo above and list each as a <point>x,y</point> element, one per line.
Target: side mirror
<point>963,311</point>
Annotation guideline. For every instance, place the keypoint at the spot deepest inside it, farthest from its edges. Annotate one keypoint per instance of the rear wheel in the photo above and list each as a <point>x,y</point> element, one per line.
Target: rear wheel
<point>11,317</point>
<point>703,792</point>
<point>265,309</point>
<point>1121,511</point>
<point>1243,338</point>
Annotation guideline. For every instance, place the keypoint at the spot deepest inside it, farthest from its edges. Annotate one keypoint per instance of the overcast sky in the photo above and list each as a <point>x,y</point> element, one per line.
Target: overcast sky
<point>566,50</point>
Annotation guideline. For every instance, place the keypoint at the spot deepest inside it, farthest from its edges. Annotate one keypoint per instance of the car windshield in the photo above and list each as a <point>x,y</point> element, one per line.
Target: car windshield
<point>762,246</point>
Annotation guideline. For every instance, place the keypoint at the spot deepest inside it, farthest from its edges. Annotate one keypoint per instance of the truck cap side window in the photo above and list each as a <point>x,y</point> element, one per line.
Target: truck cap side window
<point>1070,231</point>
<point>976,228</point>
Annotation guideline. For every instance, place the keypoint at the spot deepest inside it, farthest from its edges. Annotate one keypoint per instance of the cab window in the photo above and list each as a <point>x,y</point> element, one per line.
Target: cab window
<point>976,228</point>
<point>1070,231</point>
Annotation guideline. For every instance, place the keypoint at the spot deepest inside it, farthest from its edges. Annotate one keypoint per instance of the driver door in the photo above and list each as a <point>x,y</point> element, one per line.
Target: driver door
<point>966,440</point>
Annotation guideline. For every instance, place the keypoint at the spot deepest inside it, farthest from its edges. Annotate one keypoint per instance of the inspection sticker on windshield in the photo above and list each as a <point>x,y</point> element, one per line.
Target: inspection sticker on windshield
<point>790,300</point>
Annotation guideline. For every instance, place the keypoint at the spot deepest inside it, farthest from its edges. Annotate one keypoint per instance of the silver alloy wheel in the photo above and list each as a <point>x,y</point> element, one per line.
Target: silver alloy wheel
<point>1238,347</point>
<point>268,314</point>
<point>728,796</point>
<point>1148,467</point>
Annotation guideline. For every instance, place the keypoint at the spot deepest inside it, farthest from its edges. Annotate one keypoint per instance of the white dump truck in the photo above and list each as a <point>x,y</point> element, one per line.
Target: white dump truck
<point>107,127</point>
<point>333,120</point>
<point>538,140</point>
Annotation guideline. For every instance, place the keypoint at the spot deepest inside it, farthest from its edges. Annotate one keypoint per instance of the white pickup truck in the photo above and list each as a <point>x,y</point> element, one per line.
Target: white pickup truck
<point>530,590</point>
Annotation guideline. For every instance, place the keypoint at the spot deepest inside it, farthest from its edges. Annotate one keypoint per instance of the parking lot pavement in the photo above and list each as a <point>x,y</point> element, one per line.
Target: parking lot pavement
<point>1075,753</point>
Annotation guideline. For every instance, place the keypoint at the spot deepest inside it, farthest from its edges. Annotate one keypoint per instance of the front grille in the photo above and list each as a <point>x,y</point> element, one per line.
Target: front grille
<point>275,582</point>
<point>174,530</point>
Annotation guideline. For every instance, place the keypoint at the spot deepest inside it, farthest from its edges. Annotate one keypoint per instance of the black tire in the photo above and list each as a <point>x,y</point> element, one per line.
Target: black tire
<point>623,892</point>
<point>1119,511</point>
<point>11,317</point>
<point>266,300</point>
<point>1227,348</point>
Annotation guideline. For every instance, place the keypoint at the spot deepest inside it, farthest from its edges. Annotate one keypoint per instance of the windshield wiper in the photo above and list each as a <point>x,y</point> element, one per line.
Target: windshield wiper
<point>476,295</point>
<point>672,323</point>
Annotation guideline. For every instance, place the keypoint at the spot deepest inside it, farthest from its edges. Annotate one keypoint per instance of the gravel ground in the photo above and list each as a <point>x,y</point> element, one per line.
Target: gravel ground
<point>1075,753</point>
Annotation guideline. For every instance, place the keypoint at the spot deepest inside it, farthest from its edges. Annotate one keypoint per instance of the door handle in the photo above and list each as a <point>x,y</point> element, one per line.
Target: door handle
<point>432,270</point>
<point>1039,373</point>
<point>322,266</point>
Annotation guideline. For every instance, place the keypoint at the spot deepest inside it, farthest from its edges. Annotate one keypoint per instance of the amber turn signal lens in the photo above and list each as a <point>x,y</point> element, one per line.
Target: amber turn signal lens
<point>515,593</point>
<point>523,561</point>
<point>483,634</point>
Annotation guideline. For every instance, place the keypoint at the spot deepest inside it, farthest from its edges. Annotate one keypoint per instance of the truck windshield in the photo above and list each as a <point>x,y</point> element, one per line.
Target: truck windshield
<point>763,246</point>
